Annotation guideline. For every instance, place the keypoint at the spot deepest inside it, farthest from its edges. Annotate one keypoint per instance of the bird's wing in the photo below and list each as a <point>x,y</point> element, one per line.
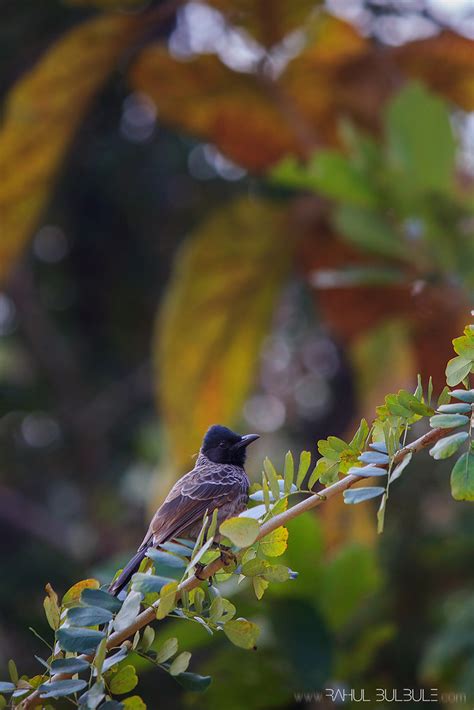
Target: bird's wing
<point>189,499</point>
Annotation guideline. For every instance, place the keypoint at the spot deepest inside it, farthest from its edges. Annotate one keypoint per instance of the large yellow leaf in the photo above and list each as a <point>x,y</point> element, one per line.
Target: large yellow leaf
<point>217,309</point>
<point>268,21</point>
<point>205,98</point>
<point>42,112</point>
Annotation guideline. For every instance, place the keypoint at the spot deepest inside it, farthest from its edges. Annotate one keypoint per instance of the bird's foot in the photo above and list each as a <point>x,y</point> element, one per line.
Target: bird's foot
<point>198,573</point>
<point>228,558</point>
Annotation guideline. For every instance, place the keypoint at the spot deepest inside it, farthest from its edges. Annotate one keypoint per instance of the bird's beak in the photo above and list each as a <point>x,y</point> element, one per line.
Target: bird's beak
<point>246,440</point>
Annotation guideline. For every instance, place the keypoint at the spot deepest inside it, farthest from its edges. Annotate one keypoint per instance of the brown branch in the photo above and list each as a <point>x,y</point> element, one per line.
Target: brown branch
<point>313,501</point>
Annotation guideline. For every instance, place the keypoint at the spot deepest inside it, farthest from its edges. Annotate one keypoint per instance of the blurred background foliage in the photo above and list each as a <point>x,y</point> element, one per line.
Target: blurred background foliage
<point>248,212</point>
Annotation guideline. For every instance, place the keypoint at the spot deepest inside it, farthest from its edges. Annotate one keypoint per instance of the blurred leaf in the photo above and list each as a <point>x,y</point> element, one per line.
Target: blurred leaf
<point>242,532</point>
<point>259,586</point>
<point>462,478</point>
<point>444,63</point>
<point>42,113</point>
<point>134,702</point>
<point>7,687</point>
<point>253,17</point>
<point>348,579</point>
<point>79,640</point>
<point>73,595</point>
<point>124,681</point>
<point>209,100</point>
<point>370,231</point>
<point>180,663</point>
<point>51,608</point>
<point>215,314</point>
<point>242,633</point>
<point>302,632</point>
<point>416,121</point>
<point>448,446</point>
<point>61,688</point>
<point>193,681</point>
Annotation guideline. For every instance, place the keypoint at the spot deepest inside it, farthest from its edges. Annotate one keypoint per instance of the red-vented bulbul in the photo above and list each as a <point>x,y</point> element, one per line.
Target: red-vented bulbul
<point>218,480</point>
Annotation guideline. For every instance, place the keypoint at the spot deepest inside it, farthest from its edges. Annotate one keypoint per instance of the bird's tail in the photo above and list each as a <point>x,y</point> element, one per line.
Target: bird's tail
<point>126,574</point>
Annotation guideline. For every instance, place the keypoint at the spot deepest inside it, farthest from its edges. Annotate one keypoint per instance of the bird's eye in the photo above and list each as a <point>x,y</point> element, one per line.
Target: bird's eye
<point>222,444</point>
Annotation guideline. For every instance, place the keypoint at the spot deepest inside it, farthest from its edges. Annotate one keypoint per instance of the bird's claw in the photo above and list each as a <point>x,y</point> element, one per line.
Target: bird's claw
<point>227,556</point>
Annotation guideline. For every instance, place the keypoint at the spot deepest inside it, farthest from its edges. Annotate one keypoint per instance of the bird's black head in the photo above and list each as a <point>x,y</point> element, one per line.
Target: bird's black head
<point>221,445</point>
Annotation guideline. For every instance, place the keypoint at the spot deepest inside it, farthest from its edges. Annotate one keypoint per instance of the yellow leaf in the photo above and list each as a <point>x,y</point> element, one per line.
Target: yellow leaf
<point>275,543</point>
<point>41,114</point>
<point>167,600</point>
<point>240,531</point>
<point>73,595</point>
<point>216,312</point>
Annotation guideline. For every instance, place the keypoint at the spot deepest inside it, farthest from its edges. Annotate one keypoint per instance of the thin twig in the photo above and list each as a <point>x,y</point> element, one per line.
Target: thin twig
<point>313,501</point>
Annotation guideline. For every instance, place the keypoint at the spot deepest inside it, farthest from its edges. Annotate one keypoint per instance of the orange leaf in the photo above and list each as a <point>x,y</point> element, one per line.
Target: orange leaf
<point>42,113</point>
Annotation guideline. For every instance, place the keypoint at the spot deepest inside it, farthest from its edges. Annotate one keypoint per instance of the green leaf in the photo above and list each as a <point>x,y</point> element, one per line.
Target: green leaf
<point>69,665</point>
<point>12,670</point>
<point>399,468</point>
<point>124,681</point>
<point>276,573</point>
<point>381,514</point>
<point>193,681</point>
<point>444,397</point>
<point>167,600</point>
<point>464,346</point>
<point>421,145</point>
<point>409,401</point>
<point>457,369</point>
<point>303,467</point>
<point>180,663</point>
<point>147,583</point>
<point>367,471</point>
<point>88,616</point>
<point>272,478</point>
<point>61,688</point>
<point>370,231</point>
<point>79,640</point>
<point>463,395</point>
<point>93,697</point>
<point>260,585</point>
<point>147,638</point>
<point>130,608</point>
<point>242,532</point>
<point>99,658</point>
<point>275,543</point>
<point>359,495</point>
<point>255,567</point>
<point>358,440</point>
<point>242,633</point>
<point>104,600</point>
<point>462,478</point>
<point>448,421</point>
<point>456,408</point>
<point>448,446</point>
<point>167,650</point>
<point>134,702</point>
<point>115,658</point>
<point>289,471</point>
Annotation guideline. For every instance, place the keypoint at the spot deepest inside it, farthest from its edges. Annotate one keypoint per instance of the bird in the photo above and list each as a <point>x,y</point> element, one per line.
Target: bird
<point>218,480</point>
